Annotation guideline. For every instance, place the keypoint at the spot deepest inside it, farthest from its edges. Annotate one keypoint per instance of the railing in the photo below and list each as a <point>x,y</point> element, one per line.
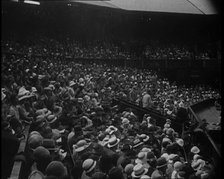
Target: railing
<point>193,117</point>
<point>17,167</point>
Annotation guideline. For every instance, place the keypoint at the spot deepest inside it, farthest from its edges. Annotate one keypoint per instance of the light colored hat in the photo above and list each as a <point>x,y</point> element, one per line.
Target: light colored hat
<point>80,146</point>
<point>125,121</point>
<point>139,171</point>
<point>113,141</point>
<point>172,156</point>
<point>165,139</point>
<point>195,150</point>
<point>168,121</point>
<point>129,168</point>
<point>145,177</point>
<point>22,92</point>
<point>198,165</point>
<point>111,129</point>
<point>180,142</point>
<point>88,165</point>
<point>177,165</point>
<point>166,156</point>
<point>196,156</point>
<point>144,137</point>
<point>51,118</point>
<point>137,143</point>
<point>145,149</point>
<point>33,89</point>
<point>71,83</point>
<point>3,96</point>
<point>166,125</point>
<point>142,156</point>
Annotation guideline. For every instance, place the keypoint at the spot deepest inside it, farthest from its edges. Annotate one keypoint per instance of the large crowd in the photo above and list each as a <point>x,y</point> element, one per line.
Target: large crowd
<point>155,50</point>
<point>76,133</point>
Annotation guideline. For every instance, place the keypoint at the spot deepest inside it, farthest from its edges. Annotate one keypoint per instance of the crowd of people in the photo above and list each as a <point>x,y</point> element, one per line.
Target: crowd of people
<point>41,45</point>
<point>76,133</point>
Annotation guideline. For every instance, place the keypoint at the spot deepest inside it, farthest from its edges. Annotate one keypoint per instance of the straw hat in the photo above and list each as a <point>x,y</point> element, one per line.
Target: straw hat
<point>139,171</point>
<point>180,142</point>
<point>142,156</point>
<point>88,165</point>
<point>195,150</point>
<point>113,142</point>
<point>144,137</point>
<point>80,146</point>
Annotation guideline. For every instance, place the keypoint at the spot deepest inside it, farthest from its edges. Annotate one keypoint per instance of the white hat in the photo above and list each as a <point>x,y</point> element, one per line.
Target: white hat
<point>144,137</point>
<point>166,156</point>
<point>180,142</point>
<point>145,177</point>
<point>80,146</point>
<point>142,156</point>
<point>139,171</point>
<point>113,141</point>
<point>195,150</point>
<point>125,121</point>
<point>88,165</point>
<point>71,83</point>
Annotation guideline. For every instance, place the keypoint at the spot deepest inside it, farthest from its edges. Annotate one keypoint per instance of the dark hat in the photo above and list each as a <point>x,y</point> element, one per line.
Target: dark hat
<point>41,153</point>
<point>115,173</point>
<point>161,162</point>
<point>56,168</point>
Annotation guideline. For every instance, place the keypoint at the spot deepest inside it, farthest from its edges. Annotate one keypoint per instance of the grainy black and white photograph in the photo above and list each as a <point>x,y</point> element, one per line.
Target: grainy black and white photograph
<point>111,89</point>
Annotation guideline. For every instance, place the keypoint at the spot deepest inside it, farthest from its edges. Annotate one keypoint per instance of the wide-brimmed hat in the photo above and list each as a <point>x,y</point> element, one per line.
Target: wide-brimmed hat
<point>111,130</point>
<point>137,143</point>
<point>125,121</point>
<point>180,142</point>
<point>138,171</point>
<point>145,149</point>
<point>145,177</point>
<point>166,125</point>
<point>71,83</point>
<point>88,165</point>
<point>142,156</point>
<point>51,118</point>
<point>144,137</point>
<point>161,162</point>
<point>166,156</point>
<point>195,150</point>
<point>129,168</point>
<point>178,166</point>
<point>198,165</point>
<point>113,141</point>
<point>165,139</point>
<point>80,146</point>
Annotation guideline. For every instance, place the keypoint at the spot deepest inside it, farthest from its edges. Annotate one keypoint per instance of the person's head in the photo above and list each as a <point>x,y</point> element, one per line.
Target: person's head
<point>42,157</point>
<point>89,166</point>
<point>57,169</point>
<point>115,173</point>
<point>161,164</point>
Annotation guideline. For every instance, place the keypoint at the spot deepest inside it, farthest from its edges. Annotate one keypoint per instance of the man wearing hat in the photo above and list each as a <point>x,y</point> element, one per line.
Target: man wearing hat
<point>160,169</point>
<point>138,171</point>
<point>88,166</point>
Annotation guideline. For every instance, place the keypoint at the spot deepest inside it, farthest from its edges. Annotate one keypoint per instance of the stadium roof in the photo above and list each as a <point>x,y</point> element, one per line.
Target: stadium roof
<point>204,7</point>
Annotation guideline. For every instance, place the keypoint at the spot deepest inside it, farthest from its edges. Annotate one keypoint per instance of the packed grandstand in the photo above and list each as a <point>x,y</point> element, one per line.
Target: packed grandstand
<point>67,111</point>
